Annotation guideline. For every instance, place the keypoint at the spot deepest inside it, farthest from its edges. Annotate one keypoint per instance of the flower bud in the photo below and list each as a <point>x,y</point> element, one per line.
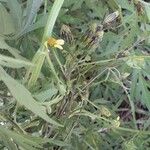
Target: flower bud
<point>111,17</point>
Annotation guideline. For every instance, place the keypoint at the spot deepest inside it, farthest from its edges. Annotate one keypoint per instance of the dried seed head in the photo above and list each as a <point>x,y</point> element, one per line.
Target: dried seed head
<point>90,31</point>
<point>139,8</point>
<point>66,34</point>
<point>99,28</point>
<point>93,36</point>
<point>99,32</point>
<point>111,17</point>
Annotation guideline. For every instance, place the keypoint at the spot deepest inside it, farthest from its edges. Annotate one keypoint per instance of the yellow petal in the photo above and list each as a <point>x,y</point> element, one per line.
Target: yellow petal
<point>51,41</point>
<point>58,46</point>
<point>60,42</point>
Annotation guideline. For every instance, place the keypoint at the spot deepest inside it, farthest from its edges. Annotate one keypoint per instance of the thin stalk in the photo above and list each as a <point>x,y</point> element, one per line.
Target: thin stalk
<point>52,67</point>
<point>94,79</point>
<point>45,6</point>
<point>61,86</point>
<point>59,63</point>
<point>38,59</point>
<point>133,130</point>
<point>52,19</point>
<point>115,60</point>
<point>128,96</point>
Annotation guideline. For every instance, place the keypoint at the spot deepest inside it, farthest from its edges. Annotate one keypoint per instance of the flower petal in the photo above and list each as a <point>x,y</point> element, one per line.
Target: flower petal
<point>60,42</point>
<point>58,46</point>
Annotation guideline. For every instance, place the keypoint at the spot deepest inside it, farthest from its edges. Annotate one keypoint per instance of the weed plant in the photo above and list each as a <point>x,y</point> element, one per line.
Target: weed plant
<point>74,74</point>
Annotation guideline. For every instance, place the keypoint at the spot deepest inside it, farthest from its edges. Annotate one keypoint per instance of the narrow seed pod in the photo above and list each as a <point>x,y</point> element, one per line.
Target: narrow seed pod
<point>89,32</point>
<point>99,32</point>
<point>93,36</point>
<point>111,17</point>
<point>66,34</point>
<point>139,8</point>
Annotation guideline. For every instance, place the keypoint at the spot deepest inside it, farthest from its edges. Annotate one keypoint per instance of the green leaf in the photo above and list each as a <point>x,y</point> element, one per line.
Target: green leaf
<point>77,4</point>
<point>113,4</point>
<point>13,51</point>
<point>16,12</point>
<point>13,63</point>
<point>20,139</point>
<point>41,22</point>
<point>7,141</point>
<point>68,3</point>
<point>126,5</point>
<point>145,97</point>
<point>136,62</point>
<point>147,10</point>
<point>6,22</point>
<point>31,13</point>
<point>95,5</point>
<point>134,84</point>
<point>139,88</point>
<point>47,94</point>
<point>32,9</point>
<point>129,145</point>
<point>113,43</point>
<point>24,97</point>
<point>11,138</point>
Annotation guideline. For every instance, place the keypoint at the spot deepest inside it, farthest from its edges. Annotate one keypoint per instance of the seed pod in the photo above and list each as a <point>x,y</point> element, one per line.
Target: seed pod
<point>66,34</point>
<point>99,32</point>
<point>139,8</point>
<point>90,32</point>
<point>111,17</point>
<point>93,36</point>
<point>96,38</point>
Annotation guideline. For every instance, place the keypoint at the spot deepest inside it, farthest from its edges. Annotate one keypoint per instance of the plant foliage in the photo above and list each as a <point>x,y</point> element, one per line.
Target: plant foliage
<point>94,94</point>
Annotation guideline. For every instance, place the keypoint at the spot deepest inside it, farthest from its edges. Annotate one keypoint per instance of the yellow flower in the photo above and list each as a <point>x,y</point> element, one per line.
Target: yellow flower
<point>52,42</point>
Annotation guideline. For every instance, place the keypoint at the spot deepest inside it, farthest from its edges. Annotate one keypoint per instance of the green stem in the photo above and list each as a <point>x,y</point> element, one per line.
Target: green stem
<point>132,130</point>
<point>59,63</point>
<point>52,67</point>
<point>115,60</point>
<point>45,6</point>
<point>52,19</point>
<point>61,86</point>
<point>40,55</point>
